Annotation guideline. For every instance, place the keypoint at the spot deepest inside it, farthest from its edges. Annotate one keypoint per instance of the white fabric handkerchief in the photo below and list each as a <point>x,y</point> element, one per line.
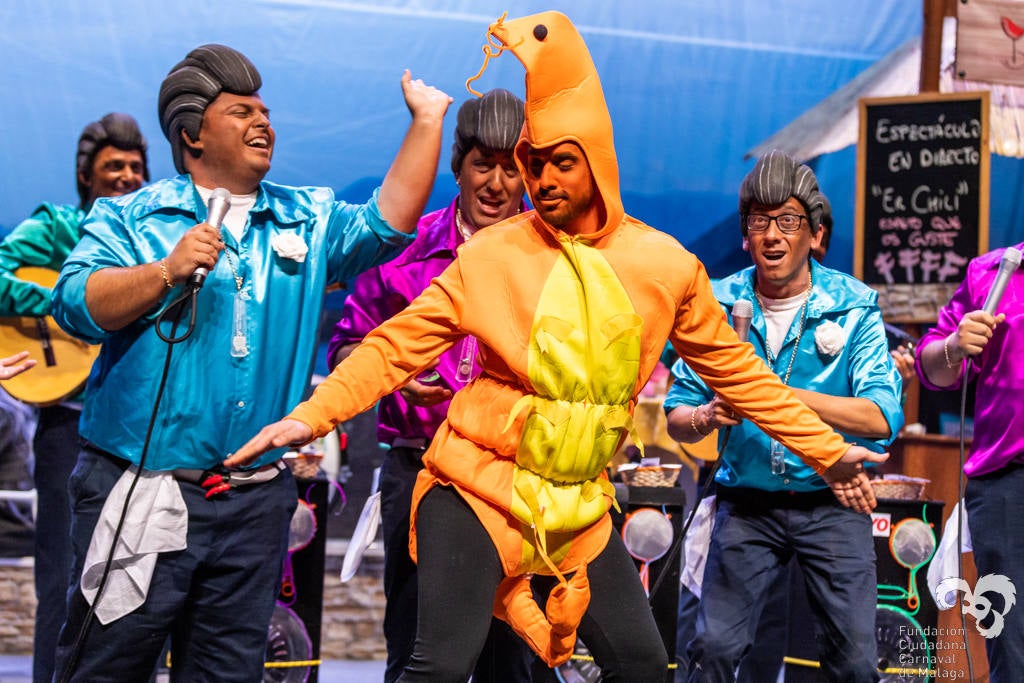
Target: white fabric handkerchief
<point>157,521</point>
<point>944,564</point>
<point>695,547</point>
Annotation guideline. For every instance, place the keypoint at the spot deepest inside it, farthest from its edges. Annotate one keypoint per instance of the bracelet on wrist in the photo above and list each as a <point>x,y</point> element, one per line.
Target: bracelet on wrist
<point>945,349</point>
<point>693,422</point>
<point>163,272</point>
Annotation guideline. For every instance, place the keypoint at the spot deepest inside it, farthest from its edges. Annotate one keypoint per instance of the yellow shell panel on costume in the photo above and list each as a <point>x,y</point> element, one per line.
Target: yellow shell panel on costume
<point>583,364</point>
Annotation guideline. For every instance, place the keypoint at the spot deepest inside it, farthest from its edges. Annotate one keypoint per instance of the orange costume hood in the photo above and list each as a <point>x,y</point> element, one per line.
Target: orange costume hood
<point>564,99</point>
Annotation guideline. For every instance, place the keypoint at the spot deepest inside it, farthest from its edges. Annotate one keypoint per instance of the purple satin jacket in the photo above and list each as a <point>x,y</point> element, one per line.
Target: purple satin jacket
<point>380,293</point>
<point>1000,367</point>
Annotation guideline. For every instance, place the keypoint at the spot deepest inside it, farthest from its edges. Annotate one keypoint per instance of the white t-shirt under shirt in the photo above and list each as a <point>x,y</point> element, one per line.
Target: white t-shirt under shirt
<point>779,315</point>
<point>237,214</point>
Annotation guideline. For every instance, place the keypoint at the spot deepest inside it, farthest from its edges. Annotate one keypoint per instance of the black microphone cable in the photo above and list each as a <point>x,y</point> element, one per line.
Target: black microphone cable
<point>677,544</point>
<point>961,503</point>
<point>1008,264</point>
<point>174,309</point>
<point>742,313</point>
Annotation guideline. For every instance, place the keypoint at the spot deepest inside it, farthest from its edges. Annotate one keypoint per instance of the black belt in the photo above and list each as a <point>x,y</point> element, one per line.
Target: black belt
<point>798,500</point>
<point>231,478</point>
<point>419,444</point>
<point>215,480</point>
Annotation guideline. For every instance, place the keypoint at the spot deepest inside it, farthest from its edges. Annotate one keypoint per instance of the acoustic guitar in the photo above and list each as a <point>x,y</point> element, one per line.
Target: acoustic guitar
<point>62,362</point>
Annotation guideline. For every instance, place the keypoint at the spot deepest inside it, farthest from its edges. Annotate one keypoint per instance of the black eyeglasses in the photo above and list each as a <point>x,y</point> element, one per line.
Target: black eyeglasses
<point>788,222</point>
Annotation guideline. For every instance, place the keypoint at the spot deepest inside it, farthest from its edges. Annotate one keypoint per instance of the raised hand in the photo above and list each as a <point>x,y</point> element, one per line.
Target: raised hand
<point>972,334</point>
<point>424,101</point>
<point>904,360</point>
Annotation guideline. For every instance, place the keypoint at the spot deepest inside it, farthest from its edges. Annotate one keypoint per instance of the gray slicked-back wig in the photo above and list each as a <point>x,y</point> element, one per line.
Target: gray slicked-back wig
<point>113,130</point>
<point>774,179</point>
<point>193,83</point>
<point>826,223</point>
<point>493,121</point>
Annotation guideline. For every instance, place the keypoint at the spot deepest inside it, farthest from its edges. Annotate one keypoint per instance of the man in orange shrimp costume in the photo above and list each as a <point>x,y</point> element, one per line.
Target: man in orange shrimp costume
<point>571,304</point>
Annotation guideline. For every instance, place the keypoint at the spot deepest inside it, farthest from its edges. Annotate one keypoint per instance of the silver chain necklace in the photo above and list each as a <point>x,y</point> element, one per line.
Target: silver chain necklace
<point>776,452</point>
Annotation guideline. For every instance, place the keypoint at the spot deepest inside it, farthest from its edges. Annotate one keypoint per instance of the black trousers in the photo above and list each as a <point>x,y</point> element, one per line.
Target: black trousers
<point>56,447</point>
<point>505,658</point>
<point>459,573</point>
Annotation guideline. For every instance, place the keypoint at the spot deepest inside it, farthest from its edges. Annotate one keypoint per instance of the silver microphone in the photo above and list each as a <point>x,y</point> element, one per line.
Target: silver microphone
<point>742,312</point>
<point>1009,264</point>
<point>216,208</point>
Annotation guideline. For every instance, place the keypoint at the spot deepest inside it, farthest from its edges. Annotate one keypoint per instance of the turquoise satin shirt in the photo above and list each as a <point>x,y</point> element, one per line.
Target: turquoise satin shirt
<point>44,240</point>
<point>213,402</point>
<point>862,368</point>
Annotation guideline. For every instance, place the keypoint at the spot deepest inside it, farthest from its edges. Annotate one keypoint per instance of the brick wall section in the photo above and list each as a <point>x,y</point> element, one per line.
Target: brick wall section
<point>17,609</point>
<point>353,611</point>
<point>351,628</point>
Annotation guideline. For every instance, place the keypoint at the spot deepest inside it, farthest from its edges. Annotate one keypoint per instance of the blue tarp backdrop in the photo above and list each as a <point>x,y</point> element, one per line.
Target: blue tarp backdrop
<point>691,86</point>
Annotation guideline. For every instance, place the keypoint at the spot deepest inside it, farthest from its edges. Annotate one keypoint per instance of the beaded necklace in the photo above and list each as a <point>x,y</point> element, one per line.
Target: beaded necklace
<point>799,332</point>
<point>463,230</point>
<point>239,340</point>
<point>776,451</point>
<point>239,279</point>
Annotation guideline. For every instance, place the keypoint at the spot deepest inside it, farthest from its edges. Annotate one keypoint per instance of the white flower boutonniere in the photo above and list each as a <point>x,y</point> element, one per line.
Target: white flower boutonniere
<point>830,338</point>
<point>290,246</point>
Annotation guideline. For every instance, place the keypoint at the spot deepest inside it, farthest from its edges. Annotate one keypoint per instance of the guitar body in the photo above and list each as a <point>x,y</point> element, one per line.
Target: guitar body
<point>62,362</point>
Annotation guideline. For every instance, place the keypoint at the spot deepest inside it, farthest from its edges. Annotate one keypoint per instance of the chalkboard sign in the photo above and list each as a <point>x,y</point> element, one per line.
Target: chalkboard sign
<point>922,198</point>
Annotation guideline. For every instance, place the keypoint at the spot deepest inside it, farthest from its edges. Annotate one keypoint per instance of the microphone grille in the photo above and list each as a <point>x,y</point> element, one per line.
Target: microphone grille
<point>221,193</point>
<point>743,309</point>
<point>1012,254</point>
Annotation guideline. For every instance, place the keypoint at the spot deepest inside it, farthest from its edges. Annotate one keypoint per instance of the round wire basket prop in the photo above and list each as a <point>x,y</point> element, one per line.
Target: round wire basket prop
<point>899,487</point>
<point>634,474</point>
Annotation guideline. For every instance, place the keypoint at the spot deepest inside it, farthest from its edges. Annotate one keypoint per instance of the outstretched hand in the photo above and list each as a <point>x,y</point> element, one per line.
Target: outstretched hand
<point>849,482</point>
<point>283,433</point>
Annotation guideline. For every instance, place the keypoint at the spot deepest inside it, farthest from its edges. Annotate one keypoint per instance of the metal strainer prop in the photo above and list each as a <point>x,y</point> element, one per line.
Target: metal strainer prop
<point>647,535</point>
<point>912,543</point>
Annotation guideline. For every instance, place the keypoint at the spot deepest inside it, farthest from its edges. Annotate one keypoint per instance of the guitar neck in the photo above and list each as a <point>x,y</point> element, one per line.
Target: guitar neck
<point>46,342</point>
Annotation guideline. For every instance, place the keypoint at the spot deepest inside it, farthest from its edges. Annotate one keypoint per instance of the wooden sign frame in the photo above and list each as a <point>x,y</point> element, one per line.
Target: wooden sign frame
<point>927,198</point>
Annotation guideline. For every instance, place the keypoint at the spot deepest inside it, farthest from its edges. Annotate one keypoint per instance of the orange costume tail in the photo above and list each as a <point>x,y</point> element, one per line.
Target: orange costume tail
<point>552,633</point>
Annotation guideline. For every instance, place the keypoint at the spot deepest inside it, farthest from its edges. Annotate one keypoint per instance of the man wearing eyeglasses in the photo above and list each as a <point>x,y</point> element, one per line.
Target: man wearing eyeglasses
<point>822,332</point>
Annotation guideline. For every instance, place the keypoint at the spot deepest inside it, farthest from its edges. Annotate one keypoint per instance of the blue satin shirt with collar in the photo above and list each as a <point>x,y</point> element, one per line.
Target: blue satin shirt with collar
<point>862,368</point>
<point>213,402</point>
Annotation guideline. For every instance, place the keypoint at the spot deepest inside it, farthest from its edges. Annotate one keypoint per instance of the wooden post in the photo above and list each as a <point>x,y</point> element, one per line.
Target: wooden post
<point>931,41</point>
<point>931,45</point>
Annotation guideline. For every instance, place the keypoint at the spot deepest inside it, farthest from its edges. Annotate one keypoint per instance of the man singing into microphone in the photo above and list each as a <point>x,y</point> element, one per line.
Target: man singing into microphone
<point>992,344</point>
<point>248,358</point>
<point>822,333</point>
